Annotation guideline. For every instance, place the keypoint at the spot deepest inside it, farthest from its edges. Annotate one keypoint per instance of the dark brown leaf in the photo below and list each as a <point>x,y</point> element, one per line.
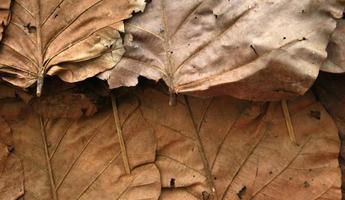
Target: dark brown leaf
<point>4,15</point>
<point>11,169</point>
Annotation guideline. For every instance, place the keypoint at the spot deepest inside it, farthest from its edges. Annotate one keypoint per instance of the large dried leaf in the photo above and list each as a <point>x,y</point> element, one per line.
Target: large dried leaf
<point>336,58</point>
<point>4,15</point>
<point>11,169</point>
<point>66,159</point>
<point>242,151</point>
<point>72,39</point>
<point>249,49</point>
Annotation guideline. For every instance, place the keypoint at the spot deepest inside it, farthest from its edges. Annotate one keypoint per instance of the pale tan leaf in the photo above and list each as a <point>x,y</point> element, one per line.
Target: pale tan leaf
<point>252,49</point>
<point>11,169</point>
<point>248,151</point>
<point>4,15</point>
<point>335,62</point>
<point>72,39</point>
<point>80,159</point>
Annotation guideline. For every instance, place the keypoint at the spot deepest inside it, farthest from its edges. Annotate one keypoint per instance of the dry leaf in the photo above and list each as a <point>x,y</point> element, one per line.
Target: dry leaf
<point>71,39</point>
<point>242,151</point>
<point>336,60</point>
<point>80,159</point>
<point>11,169</point>
<point>65,105</point>
<point>258,50</point>
<point>4,15</point>
<point>12,101</point>
<point>329,88</point>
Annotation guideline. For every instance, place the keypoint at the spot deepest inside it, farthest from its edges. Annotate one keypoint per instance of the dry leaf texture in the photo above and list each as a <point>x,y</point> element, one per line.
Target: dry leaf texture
<point>261,50</point>
<point>329,88</point>
<point>4,15</point>
<point>80,159</point>
<point>247,149</point>
<point>71,39</point>
<point>11,169</point>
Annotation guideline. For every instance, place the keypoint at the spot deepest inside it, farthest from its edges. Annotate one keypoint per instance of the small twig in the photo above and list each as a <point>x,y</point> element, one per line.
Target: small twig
<point>120,135</point>
<point>288,122</point>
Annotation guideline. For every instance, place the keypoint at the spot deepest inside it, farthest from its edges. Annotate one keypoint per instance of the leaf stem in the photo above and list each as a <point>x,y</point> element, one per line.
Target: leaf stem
<point>41,72</point>
<point>50,171</point>
<point>207,168</point>
<point>120,135</point>
<point>172,98</point>
<point>288,122</point>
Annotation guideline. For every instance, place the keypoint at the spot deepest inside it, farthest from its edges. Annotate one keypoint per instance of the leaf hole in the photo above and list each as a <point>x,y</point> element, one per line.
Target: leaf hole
<point>30,28</point>
<point>242,192</point>
<point>306,184</point>
<point>315,114</point>
<point>172,182</point>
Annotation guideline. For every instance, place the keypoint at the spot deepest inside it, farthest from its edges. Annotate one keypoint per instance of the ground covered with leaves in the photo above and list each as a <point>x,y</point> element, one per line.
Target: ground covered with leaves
<point>170,100</point>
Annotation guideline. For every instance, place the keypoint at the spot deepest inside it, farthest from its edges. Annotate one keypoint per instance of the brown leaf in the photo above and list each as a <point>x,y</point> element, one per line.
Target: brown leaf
<point>74,39</point>
<point>243,151</point>
<point>12,101</point>
<point>9,91</point>
<point>258,50</point>
<point>4,15</point>
<point>11,169</point>
<point>65,105</point>
<point>331,92</point>
<point>80,159</point>
<point>336,60</point>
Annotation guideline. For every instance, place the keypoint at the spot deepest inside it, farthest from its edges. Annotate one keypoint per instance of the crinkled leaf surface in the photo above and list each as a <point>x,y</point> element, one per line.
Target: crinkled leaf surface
<point>80,159</point>
<point>11,169</point>
<point>4,15</point>
<point>247,149</point>
<point>336,48</point>
<point>262,50</point>
<point>72,39</point>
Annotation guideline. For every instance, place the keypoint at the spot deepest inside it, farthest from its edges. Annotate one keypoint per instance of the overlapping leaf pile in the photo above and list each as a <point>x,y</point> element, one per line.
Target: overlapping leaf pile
<point>79,140</point>
<point>257,50</point>
<point>195,150</point>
